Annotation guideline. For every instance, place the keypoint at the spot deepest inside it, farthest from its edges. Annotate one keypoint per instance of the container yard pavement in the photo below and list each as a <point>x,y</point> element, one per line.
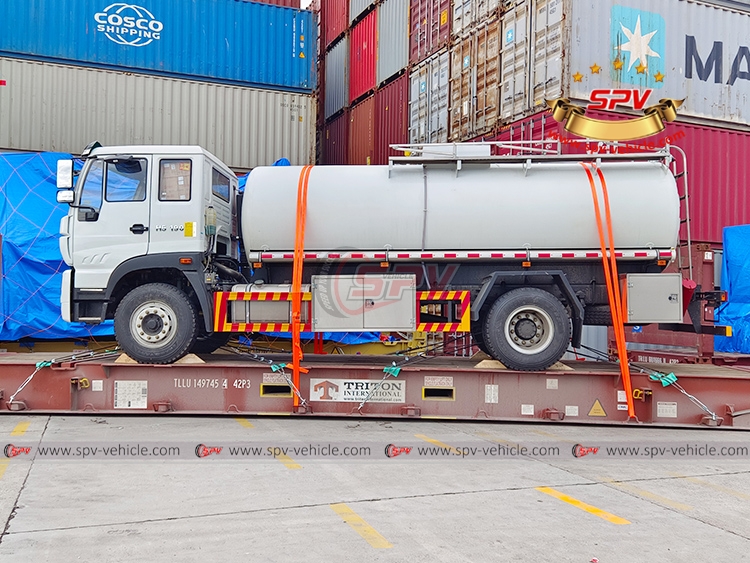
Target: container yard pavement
<point>389,509</point>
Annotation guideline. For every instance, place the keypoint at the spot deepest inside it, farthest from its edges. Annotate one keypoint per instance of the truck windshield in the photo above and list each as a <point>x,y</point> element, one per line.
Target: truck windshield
<point>91,192</point>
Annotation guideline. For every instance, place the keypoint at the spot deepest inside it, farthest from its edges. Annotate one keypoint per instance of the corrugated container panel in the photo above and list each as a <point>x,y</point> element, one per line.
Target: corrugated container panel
<point>393,38</point>
<point>679,49</point>
<point>429,93</point>
<point>336,140</point>
<point>430,27</point>
<point>48,107</point>
<point>245,43</point>
<point>514,53</point>
<point>356,7</point>
<point>285,3</point>
<point>475,63</point>
<point>362,62</point>
<point>362,132</point>
<point>337,78</point>
<point>718,167</point>
<point>595,337</point>
<point>335,16</point>
<point>466,13</point>
<point>391,118</point>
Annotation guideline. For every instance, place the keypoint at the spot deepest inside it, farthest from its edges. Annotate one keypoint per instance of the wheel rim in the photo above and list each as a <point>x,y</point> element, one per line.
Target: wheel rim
<point>153,324</point>
<point>529,329</point>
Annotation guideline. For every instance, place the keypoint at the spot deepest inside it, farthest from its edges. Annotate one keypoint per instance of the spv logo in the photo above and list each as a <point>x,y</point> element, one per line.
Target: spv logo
<point>128,24</point>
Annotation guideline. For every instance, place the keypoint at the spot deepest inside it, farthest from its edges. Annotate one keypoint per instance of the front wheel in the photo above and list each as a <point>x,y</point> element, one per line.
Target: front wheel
<point>527,329</point>
<point>156,323</point>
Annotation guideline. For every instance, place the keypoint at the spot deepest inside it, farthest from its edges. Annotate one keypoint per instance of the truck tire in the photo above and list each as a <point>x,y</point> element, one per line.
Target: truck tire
<point>209,343</point>
<point>597,315</point>
<point>156,323</point>
<point>527,329</point>
<point>477,334</point>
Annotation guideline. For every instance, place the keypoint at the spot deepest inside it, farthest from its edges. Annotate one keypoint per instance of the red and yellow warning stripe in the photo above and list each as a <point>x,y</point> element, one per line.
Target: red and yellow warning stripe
<point>221,305</point>
<point>463,297</point>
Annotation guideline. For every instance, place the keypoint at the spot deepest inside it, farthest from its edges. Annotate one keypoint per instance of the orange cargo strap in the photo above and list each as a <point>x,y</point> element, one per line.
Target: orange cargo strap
<point>299,246</point>
<point>612,279</point>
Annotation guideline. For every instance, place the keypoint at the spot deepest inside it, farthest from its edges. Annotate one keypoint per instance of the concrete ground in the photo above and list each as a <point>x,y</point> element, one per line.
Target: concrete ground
<point>381,509</point>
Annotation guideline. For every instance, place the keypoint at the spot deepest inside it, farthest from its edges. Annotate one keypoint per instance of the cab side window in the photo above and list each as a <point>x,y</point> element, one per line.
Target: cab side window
<point>174,179</point>
<point>126,180</point>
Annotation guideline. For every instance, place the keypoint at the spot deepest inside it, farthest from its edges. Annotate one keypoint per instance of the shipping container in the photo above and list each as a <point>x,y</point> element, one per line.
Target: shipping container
<point>336,87</point>
<point>336,140</point>
<point>285,3</point>
<point>678,49</point>
<point>393,38</point>
<point>49,107</point>
<point>358,7</point>
<point>335,19</point>
<point>429,93</point>
<point>467,13</point>
<point>391,118</point>
<point>718,167</point>
<point>244,43</point>
<point>363,58</point>
<point>362,132</point>
<point>474,98</point>
<point>430,27</point>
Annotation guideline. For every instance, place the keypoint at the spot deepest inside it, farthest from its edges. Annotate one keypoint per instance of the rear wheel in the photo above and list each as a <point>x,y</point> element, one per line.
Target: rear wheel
<point>527,329</point>
<point>156,323</point>
<point>477,334</point>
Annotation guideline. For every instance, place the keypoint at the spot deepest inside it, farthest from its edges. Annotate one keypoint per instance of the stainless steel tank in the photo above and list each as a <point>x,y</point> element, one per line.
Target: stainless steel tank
<point>481,207</point>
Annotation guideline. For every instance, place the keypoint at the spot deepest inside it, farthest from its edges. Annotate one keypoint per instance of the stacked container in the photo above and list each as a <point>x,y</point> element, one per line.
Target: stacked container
<point>362,60</point>
<point>234,77</point>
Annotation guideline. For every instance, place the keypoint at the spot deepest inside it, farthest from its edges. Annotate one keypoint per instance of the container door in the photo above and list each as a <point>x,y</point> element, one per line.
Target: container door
<point>112,222</point>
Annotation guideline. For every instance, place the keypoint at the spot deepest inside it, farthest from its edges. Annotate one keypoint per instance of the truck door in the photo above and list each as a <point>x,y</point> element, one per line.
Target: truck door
<point>112,222</point>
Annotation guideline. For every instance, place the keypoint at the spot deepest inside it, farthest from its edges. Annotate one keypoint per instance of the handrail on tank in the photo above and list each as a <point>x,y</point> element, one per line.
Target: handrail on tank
<point>516,151</point>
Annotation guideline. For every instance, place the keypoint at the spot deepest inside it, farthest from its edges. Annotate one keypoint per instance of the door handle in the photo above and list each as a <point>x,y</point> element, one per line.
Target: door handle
<point>138,229</point>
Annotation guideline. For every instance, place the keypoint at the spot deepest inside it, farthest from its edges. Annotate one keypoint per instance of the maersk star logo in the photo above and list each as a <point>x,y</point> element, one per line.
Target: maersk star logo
<point>638,42</point>
<point>638,46</point>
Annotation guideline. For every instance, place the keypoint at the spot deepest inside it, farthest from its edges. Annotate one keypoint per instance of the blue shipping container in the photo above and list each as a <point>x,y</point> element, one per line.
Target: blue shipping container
<point>232,41</point>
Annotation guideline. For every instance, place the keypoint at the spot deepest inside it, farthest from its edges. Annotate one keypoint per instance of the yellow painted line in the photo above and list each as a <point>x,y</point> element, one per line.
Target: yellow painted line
<point>583,506</point>
<point>437,443</point>
<point>21,428</point>
<point>713,486</point>
<point>492,438</point>
<point>359,525</point>
<point>288,462</point>
<point>245,422</point>
<point>3,466</point>
<point>649,495</point>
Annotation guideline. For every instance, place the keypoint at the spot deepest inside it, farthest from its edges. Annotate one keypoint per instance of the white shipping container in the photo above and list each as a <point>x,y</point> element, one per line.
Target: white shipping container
<point>428,100</point>
<point>337,78</point>
<point>48,107</point>
<point>393,38</point>
<point>466,13</point>
<point>680,49</point>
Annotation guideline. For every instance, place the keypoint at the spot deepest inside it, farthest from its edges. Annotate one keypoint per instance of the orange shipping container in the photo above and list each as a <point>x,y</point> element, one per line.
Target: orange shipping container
<point>362,132</point>
<point>474,98</point>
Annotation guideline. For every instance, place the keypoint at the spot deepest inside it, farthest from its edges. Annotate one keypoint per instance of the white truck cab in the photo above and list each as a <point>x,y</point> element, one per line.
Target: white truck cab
<point>142,216</point>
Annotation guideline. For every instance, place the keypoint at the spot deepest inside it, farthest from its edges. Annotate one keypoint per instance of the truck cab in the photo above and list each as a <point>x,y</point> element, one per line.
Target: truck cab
<point>141,216</point>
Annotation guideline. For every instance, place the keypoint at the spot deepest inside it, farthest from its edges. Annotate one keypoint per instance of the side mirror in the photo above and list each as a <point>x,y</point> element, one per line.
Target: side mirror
<point>64,175</point>
<point>66,196</point>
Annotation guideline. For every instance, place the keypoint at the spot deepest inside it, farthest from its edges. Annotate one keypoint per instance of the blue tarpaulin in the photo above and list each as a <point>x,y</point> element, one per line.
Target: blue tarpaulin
<point>31,262</point>
<point>735,280</point>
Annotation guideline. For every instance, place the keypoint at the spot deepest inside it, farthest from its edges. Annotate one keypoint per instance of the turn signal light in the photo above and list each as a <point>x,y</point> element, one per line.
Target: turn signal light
<point>526,264</point>
<point>186,260</point>
<point>661,262</point>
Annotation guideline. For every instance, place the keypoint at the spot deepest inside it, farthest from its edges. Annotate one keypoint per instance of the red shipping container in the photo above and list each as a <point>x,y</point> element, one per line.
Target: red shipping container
<point>391,118</point>
<point>334,16</point>
<point>718,167</point>
<point>336,140</point>
<point>362,132</point>
<point>430,27</point>
<point>363,58</point>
